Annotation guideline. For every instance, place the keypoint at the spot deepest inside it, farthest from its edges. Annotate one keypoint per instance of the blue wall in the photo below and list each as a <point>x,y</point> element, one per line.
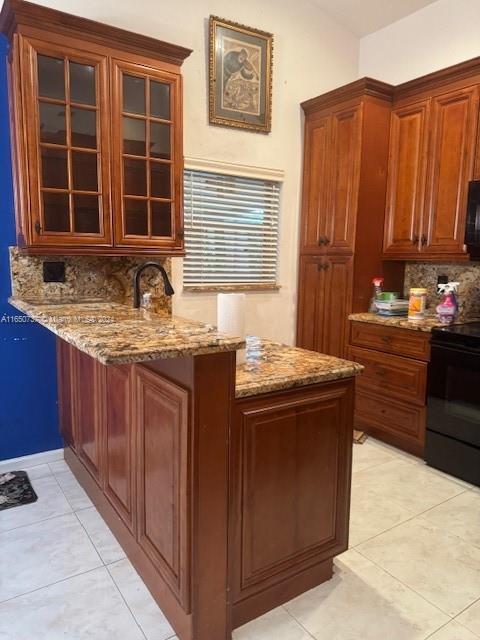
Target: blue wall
<point>28,410</point>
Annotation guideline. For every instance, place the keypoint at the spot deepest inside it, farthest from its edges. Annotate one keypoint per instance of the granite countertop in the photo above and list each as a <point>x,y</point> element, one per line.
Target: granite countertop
<point>271,366</point>
<point>114,333</point>
<point>401,322</point>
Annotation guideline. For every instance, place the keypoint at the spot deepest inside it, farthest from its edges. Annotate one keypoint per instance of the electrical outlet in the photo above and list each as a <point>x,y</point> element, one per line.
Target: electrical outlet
<point>54,272</point>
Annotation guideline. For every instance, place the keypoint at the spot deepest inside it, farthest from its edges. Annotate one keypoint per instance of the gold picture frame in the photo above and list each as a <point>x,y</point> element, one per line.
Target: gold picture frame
<point>240,74</point>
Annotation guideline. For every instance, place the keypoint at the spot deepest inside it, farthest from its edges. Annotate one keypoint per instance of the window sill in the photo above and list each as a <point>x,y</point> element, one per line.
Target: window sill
<point>210,288</point>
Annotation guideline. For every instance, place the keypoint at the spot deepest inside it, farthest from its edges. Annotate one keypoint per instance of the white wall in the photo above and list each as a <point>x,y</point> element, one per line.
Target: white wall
<point>312,54</point>
<point>441,34</point>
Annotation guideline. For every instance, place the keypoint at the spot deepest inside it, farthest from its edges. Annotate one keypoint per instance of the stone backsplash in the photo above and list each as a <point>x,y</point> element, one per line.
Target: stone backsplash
<point>424,274</point>
<point>86,278</point>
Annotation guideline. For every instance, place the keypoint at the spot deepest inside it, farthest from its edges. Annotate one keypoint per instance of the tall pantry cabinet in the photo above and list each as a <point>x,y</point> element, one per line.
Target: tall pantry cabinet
<point>343,206</point>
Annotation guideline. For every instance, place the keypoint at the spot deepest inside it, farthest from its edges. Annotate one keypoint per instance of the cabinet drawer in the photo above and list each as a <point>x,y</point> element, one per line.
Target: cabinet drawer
<point>391,376</point>
<point>388,416</point>
<point>402,342</point>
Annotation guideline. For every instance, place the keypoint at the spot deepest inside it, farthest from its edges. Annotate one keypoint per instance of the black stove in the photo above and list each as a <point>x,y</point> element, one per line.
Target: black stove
<point>458,332</point>
<point>453,418</point>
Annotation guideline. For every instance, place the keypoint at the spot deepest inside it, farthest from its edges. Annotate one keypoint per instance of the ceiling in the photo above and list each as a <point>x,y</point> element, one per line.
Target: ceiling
<point>365,16</point>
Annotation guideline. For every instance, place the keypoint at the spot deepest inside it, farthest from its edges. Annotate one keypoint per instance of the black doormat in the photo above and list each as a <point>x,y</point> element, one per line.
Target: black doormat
<point>15,489</point>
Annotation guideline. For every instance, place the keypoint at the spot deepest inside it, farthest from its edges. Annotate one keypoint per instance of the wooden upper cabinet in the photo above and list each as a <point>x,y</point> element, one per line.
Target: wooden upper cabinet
<point>344,154</point>
<point>331,178</point>
<point>96,119</point>
<point>147,147</point>
<point>315,181</point>
<point>452,155</point>
<point>406,177</point>
<point>432,155</point>
<point>66,101</point>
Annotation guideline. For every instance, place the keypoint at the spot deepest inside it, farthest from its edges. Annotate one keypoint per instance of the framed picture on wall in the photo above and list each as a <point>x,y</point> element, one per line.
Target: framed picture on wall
<point>240,76</point>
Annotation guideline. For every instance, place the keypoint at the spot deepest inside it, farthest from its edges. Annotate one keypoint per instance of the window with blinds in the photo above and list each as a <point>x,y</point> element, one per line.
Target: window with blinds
<point>231,230</point>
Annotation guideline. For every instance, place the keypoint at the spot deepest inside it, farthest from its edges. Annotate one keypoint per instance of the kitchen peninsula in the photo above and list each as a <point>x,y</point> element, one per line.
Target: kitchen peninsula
<point>227,486</point>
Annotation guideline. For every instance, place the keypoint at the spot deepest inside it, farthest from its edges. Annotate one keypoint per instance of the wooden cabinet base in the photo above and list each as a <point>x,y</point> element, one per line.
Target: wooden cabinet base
<point>259,604</point>
<point>397,423</point>
<point>390,397</point>
<point>162,594</point>
<point>226,507</point>
<point>290,468</point>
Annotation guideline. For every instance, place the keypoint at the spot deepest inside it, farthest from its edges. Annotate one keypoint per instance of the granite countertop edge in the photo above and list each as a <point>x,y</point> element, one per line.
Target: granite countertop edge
<point>283,384</point>
<point>269,366</point>
<point>74,334</point>
<point>400,322</point>
<point>272,366</point>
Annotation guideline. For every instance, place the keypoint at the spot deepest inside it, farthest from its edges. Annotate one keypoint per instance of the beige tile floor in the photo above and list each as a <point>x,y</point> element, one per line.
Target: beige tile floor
<point>412,572</point>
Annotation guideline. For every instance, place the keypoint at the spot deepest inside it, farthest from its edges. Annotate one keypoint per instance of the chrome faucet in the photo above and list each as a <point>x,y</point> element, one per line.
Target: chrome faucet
<point>136,281</point>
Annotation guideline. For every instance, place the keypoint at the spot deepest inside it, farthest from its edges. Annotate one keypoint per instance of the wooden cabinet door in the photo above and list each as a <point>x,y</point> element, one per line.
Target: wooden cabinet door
<point>161,424</point>
<point>452,155</point>
<point>66,112</point>
<point>315,183</point>
<point>290,479</point>
<point>406,178</point>
<point>337,303</point>
<point>65,392</point>
<point>87,374</point>
<point>119,476</point>
<point>147,156</point>
<point>344,159</point>
<point>324,302</point>
<point>311,302</point>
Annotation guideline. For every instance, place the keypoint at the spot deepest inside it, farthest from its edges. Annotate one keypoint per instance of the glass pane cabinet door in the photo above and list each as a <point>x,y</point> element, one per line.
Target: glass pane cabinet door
<point>147,146</point>
<point>69,148</point>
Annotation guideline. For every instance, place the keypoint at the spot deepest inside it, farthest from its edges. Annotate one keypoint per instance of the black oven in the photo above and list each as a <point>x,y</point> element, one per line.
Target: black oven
<point>472,228</point>
<point>453,417</point>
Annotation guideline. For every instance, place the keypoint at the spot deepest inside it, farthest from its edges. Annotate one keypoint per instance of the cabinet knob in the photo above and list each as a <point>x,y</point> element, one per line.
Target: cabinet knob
<point>424,240</point>
<point>38,228</point>
<point>415,239</point>
<point>321,240</point>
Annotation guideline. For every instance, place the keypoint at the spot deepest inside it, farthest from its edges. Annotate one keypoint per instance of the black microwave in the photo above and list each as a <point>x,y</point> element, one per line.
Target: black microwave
<point>472,230</point>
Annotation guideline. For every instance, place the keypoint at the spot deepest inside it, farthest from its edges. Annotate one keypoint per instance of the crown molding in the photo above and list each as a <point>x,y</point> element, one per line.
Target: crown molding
<point>436,79</point>
<point>18,13</point>
<point>356,89</point>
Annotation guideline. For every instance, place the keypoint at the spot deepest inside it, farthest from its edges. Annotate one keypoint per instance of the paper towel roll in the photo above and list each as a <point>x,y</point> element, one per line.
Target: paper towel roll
<point>231,317</point>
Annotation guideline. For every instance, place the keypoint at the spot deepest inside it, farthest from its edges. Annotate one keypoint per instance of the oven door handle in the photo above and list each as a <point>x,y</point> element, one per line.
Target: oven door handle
<point>455,349</point>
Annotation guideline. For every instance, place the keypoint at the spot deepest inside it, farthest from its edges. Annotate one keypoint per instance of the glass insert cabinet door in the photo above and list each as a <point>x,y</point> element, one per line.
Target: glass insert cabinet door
<point>68,147</point>
<point>148,156</point>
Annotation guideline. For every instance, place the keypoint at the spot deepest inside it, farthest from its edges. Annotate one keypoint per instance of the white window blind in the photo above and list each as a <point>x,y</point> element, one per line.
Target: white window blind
<point>231,229</point>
